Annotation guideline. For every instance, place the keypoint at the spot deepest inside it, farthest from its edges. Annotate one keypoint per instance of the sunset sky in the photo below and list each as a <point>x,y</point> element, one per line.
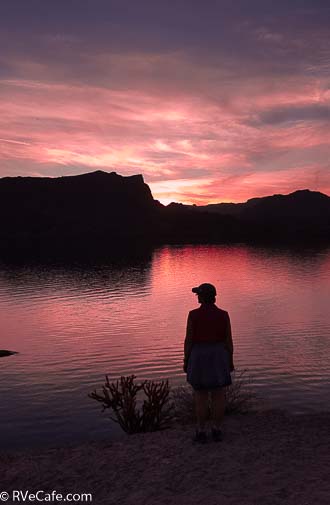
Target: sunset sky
<point>215,100</point>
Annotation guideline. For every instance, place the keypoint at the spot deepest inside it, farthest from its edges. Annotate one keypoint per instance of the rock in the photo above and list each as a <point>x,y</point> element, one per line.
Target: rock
<point>4,352</point>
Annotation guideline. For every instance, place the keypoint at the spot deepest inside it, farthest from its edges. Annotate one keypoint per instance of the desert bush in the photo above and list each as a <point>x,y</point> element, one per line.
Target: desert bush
<point>183,402</point>
<point>121,397</point>
<point>240,398</point>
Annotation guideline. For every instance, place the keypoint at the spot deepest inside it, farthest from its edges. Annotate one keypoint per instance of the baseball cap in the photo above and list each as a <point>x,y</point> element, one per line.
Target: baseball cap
<point>205,289</point>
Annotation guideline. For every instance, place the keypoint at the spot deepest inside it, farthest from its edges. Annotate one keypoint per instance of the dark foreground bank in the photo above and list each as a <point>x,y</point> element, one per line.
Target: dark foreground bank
<point>266,458</point>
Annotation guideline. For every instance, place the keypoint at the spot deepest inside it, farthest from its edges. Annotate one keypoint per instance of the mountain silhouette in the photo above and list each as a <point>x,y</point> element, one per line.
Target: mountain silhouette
<point>81,212</point>
<point>301,204</point>
<point>102,211</point>
<point>301,216</point>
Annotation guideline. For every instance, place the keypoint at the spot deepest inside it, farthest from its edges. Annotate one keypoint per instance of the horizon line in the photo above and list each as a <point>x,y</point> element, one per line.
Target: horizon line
<point>39,176</point>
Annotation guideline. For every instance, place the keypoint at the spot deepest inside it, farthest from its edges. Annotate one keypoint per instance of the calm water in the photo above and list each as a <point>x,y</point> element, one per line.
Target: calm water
<point>73,325</point>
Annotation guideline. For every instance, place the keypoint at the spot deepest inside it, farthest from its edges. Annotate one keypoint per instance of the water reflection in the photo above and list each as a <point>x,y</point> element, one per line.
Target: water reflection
<point>72,324</point>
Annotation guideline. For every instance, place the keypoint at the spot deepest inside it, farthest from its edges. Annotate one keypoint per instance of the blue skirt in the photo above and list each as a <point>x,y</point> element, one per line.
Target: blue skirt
<point>208,366</point>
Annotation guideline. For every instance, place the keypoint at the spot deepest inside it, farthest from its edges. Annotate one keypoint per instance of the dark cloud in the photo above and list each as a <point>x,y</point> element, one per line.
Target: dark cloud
<point>245,38</point>
<point>278,115</point>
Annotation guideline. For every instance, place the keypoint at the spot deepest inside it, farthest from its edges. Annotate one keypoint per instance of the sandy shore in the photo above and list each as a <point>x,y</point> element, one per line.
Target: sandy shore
<point>266,458</point>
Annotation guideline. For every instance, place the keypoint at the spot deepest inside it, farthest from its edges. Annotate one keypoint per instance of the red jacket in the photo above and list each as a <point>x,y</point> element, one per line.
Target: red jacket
<point>208,323</point>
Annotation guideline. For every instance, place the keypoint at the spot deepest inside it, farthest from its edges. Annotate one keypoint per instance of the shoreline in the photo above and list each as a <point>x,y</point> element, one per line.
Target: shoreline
<point>267,457</point>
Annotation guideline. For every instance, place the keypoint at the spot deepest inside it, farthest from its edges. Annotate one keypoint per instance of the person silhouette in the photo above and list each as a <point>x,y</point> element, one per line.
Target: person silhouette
<point>208,360</point>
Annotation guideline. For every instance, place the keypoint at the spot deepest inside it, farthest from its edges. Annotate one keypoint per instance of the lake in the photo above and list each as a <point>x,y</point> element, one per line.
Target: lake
<point>74,324</point>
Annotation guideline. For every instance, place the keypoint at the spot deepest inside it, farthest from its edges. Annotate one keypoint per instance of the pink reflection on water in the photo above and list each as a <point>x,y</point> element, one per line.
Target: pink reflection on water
<point>276,300</point>
<point>73,327</point>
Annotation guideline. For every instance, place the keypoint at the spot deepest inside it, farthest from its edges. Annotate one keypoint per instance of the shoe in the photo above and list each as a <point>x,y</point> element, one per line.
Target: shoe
<point>217,435</point>
<point>200,437</point>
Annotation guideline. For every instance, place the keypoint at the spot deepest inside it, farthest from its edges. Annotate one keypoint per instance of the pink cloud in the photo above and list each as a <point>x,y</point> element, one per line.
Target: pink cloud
<point>240,188</point>
<point>196,139</point>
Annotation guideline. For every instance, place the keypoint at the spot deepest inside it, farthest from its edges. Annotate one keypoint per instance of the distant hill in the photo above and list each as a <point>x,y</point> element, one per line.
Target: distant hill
<point>102,211</point>
<point>302,204</point>
<point>302,216</point>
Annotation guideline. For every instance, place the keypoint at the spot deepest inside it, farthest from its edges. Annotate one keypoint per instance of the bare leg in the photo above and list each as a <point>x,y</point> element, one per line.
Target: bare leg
<point>201,408</point>
<point>218,406</point>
